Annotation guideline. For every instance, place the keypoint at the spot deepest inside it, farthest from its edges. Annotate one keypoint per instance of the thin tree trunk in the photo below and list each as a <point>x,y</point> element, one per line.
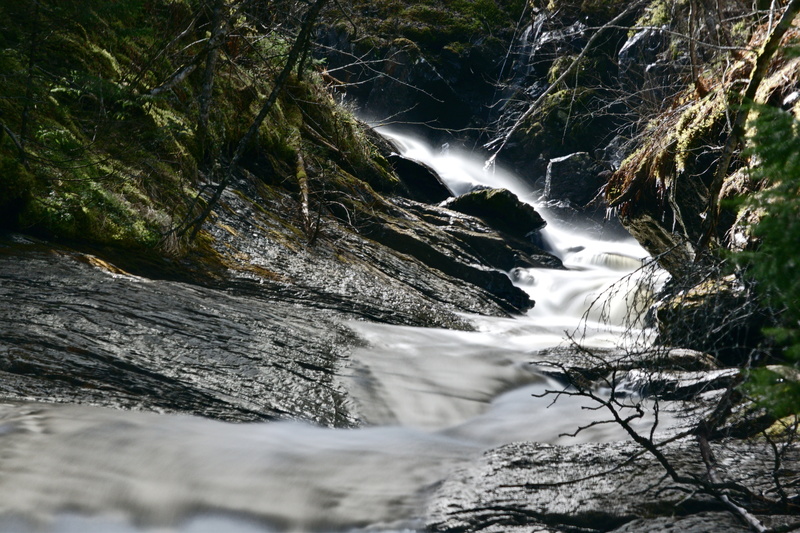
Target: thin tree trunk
<point>160,52</point>
<point>736,136</point>
<point>26,110</point>
<point>698,86</point>
<point>212,47</point>
<point>302,181</point>
<point>207,90</point>
<point>295,52</point>
<point>178,76</point>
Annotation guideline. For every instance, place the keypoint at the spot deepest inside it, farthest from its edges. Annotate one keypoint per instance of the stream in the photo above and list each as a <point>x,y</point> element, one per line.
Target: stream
<point>429,400</point>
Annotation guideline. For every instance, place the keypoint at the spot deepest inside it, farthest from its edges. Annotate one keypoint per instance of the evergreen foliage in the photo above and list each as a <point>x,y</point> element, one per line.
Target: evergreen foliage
<point>774,264</point>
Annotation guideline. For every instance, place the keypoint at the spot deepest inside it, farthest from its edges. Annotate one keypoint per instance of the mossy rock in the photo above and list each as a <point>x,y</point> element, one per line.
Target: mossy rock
<point>500,209</point>
<point>717,317</point>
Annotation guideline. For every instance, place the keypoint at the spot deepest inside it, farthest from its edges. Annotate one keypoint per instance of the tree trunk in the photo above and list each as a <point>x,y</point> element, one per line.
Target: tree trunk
<point>300,43</point>
<point>207,89</point>
<point>26,110</point>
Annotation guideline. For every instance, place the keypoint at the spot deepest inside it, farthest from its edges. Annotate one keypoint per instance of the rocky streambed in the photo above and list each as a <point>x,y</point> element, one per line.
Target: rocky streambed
<point>389,375</point>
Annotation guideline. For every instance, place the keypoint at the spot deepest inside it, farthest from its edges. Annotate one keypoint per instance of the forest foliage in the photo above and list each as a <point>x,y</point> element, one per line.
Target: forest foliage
<point>773,148</point>
<point>115,117</point>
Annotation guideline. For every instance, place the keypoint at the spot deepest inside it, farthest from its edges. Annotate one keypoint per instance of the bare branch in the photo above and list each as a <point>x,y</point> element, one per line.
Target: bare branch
<point>567,72</point>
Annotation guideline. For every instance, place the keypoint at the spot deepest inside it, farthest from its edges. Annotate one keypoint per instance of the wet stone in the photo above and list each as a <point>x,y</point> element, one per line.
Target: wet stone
<point>79,334</point>
<point>591,488</point>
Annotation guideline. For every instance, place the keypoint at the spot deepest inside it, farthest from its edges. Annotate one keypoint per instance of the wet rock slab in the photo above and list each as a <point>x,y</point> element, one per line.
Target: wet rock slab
<point>252,328</point>
<point>74,332</point>
<point>592,488</point>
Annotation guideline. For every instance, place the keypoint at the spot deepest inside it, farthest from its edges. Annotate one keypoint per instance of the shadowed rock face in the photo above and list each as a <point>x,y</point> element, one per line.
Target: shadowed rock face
<point>422,183</point>
<point>574,178</point>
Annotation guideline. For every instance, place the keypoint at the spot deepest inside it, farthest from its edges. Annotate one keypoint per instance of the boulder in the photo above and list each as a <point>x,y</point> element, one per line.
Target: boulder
<point>500,209</point>
<point>421,182</point>
<point>639,54</point>
<point>717,316</point>
<point>574,178</point>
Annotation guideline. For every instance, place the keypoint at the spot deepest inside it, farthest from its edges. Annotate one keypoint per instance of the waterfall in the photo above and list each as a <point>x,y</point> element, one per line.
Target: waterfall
<point>605,278</point>
<point>428,398</point>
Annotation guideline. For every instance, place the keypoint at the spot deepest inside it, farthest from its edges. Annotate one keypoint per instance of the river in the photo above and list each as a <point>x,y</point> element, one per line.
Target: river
<point>430,399</point>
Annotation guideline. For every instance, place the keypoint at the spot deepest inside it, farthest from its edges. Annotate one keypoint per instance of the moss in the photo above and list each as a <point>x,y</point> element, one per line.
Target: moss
<point>585,74</point>
<point>437,26</point>
<point>110,164</point>
<point>561,116</point>
<point>660,13</point>
<point>16,184</point>
<point>698,128</point>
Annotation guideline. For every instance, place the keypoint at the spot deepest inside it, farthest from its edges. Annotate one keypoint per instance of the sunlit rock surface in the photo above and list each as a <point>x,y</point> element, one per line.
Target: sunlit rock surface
<point>591,487</point>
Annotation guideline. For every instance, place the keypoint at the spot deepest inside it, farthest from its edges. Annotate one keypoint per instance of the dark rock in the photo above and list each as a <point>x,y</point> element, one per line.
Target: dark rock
<point>646,68</point>
<point>545,43</point>
<point>640,52</point>
<point>709,522</point>
<point>497,284</point>
<point>421,182</point>
<point>504,253</point>
<point>591,220</point>
<point>574,177</point>
<point>500,209</point>
<point>615,152</point>
<point>717,316</point>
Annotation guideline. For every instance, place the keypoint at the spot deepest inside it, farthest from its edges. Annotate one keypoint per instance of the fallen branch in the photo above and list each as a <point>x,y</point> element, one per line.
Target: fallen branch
<point>708,458</point>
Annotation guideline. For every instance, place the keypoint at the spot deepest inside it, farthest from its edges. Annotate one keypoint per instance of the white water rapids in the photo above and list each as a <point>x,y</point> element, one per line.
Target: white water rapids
<point>430,399</point>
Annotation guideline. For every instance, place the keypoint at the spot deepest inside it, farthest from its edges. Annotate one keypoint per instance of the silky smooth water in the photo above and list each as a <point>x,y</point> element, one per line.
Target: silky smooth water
<point>429,399</point>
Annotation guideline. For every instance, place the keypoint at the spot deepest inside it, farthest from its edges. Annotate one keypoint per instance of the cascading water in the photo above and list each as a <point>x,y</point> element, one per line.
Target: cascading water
<point>430,399</point>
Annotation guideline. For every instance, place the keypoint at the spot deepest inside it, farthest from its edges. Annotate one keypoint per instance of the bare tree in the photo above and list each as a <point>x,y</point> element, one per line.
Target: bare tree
<point>297,50</point>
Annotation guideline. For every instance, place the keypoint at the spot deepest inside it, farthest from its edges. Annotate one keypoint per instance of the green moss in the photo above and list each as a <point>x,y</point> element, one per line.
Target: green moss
<point>660,13</point>
<point>16,184</point>
<point>697,128</point>
<point>559,116</point>
<point>110,164</point>
<point>583,75</point>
